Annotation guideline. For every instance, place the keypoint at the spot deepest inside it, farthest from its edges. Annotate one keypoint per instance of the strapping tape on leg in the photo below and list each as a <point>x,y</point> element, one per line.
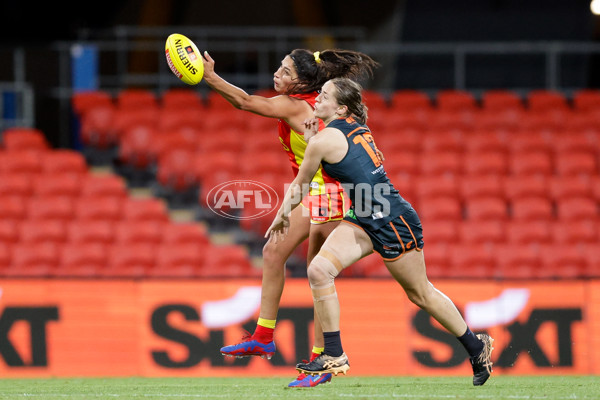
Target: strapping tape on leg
<point>328,266</point>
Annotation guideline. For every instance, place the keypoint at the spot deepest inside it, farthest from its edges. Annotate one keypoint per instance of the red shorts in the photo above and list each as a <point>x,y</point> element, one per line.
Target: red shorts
<point>326,207</point>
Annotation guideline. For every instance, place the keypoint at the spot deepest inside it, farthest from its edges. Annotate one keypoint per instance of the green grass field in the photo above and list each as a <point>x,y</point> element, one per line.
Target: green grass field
<point>497,388</point>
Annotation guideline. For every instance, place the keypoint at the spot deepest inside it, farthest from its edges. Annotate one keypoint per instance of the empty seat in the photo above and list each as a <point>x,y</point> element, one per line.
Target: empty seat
<point>227,261</point>
<point>15,184</point>
<point>131,260</point>
<point>63,161</point>
<point>20,162</point>
<point>529,141</point>
<point>436,186</point>
<point>181,260</point>
<point>489,162</point>
<point>147,209</point>
<point>582,163</point>
<point>84,101</point>
<point>486,208</point>
<point>475,186</point>
<point>586,99</point>
<point>13,208</point>
<point>406,100</point>
<point>524,232</point>
<point>532,208</point>
<point>437,259</point>
<point>137,146</point>
<point>185,233</point>
<point>515,261</point>
<point>174,172</point>
<point>451,99</point>
<point>136,99</point>
<point>577,208</point>
<point>139,231</point>
<point>440,231</point>
<point>9,231</point>
<point>438,163</point>
<point>564,187</point>
<point>21,138</point>
<point>91,231</point>
<point>99,208</point>
<point>474,262</point>
<point>484,141</point>
<point>39,231</point>
<point>98,129</point>
<point>440,208</point>
<point>374,100</point>
<point>446,140</point>
<point>177,99</point>
<point>574,232</point>
<point>546,100</point>
<point>497,100</point>
<point>482,231</point>
<point>51,207</point>
<point>529,163</point>
<point>522,186</point>
<point>562,262</point>
<point>100,185</point>
<point>33,260</point>
<point>576,142</point>
<point>81,260</point>
<point>59,184</point>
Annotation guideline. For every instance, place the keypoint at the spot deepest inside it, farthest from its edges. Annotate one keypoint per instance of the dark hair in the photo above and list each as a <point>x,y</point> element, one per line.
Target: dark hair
<point>316,68</point>
<point>349,93</point>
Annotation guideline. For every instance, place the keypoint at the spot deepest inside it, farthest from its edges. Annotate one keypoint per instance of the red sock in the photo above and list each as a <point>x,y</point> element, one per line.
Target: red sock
<point>314,355</point>
<point>263,335</point>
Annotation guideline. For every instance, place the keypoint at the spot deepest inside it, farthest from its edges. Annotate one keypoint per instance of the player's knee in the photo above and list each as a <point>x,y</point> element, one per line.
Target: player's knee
<point>272,256</point>
<point>420,297</point>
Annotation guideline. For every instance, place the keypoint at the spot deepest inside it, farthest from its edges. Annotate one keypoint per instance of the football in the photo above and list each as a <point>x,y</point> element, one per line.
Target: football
<point>184,59</point>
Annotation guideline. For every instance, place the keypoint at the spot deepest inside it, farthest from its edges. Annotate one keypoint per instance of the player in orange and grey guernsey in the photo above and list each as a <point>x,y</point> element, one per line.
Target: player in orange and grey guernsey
<point>297,81</point>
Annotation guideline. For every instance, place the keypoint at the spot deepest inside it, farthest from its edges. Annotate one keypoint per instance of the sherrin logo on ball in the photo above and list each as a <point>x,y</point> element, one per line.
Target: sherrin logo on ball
<point>184,59</point>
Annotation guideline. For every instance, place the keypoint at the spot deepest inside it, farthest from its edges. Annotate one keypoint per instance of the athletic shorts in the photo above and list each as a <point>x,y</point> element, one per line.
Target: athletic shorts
<point>326,207</point>
<point>392,240</point>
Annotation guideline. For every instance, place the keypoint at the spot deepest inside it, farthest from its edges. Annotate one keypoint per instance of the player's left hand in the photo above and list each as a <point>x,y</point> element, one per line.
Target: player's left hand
<point>278,229</point>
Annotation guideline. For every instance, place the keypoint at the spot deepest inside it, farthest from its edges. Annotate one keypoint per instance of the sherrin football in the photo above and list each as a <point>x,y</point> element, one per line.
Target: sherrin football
<point>184,59</point>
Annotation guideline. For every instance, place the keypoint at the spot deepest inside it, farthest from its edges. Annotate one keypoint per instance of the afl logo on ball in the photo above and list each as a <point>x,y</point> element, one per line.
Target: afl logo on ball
<point>242,200</point>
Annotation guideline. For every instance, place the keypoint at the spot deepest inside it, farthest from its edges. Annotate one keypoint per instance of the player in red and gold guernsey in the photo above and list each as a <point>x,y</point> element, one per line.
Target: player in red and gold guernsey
<point>297,81</point>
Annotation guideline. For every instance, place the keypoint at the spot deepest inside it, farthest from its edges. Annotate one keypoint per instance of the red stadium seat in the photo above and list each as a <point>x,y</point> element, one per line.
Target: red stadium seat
<point>475,186</point>
<point>578,208</point>
<point>564,187</point>
<point>580,163</point>
<point>591,253</point>
<point>475,262</point>
<point>485,141</point>
<point>530,163</point>
<point>562,262</point>
<point>524,232</point>
<point>81,260</point>
<point>575,232</point>
<point>437,259</point>
<point>15,184</point>
<point>174,170</point>
<point>439,163</point>
<point>374,100</point>
<point>98,128</point>
<point>531,209</point>
<point>63,161</point>
<point>514,261</point>
<point>139,231</point>
<point>99,208</point>
<point>177,99</point>
<point>13,208</point>
<point>486,209</point>
<point>451,99</point>
<point>489,162</point>
<point>586,99</point>
<point>227,261</point>
<point>33,260</point>
<point>60,184</point>
<point>136,98</point>
<point>178,260</point>
<point>100,185</point>
<point>497,100</point>
<point>482,231</point>
<point>401,163</point>
<point>521,186</point>
<point>408,100</point>
<point>129,260</point>
<point>91,231</point>
<point>5,257</point>
<point>441,231</point>
<point>84,101</point>
<point>23,139</point>
<point>440,209</point>
<point>575,142</point>
<point>137,146</point>
<point>438,141</point>
<point>51,207</point>
<point>9,231</point>
<point>146,209</point>
<point>524,142</point>
<point>170,119</point>
<point>20,162</point>
<point>436,186</point>
<point>546,100</point>
<point>40,231</point>
<point>185,233</point>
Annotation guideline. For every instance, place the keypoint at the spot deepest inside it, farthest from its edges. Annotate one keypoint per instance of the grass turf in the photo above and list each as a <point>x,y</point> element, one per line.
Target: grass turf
<point>497,388</point>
